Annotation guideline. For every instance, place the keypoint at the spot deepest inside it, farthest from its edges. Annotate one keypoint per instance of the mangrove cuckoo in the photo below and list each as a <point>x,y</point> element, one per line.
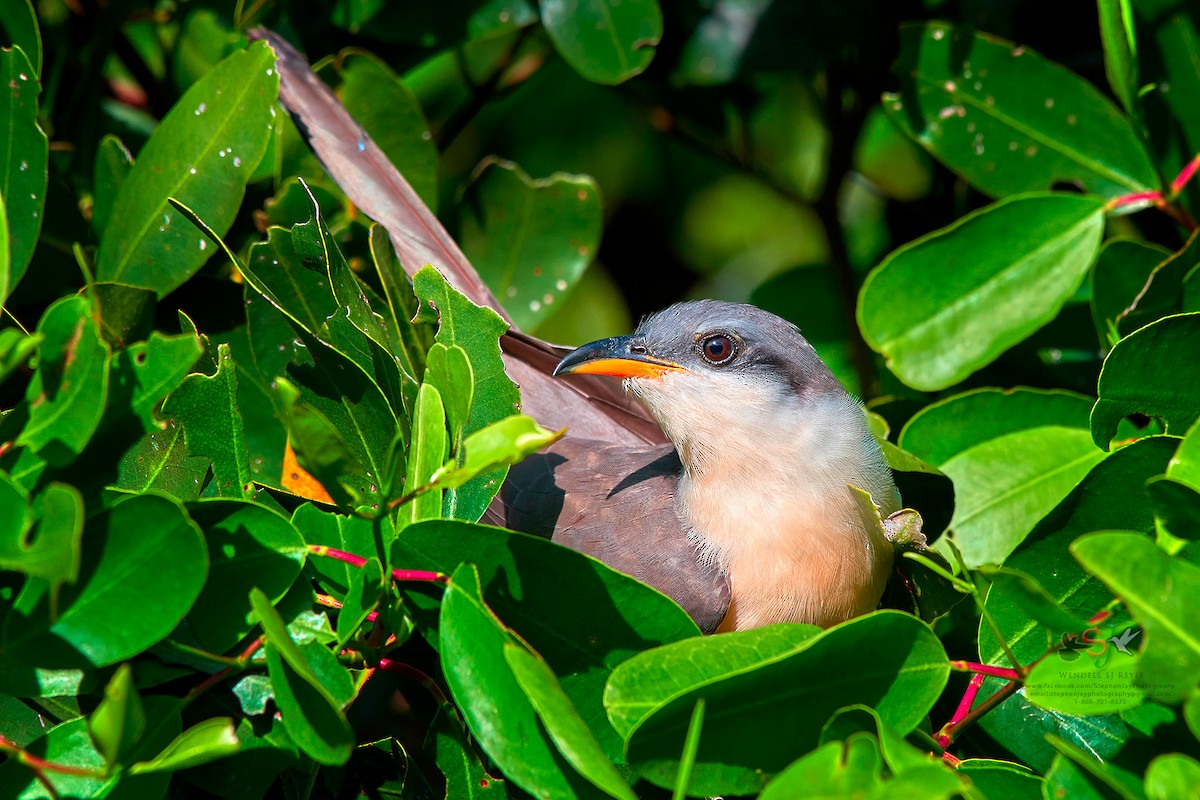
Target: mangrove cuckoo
<point>725,481</point>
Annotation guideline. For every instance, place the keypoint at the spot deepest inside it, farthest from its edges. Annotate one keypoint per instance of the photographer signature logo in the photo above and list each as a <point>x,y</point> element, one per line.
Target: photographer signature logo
<point>1098,643</point>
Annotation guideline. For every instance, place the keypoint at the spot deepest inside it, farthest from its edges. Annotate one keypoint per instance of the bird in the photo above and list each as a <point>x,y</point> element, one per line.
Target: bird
<point>719,469</point>
<point>764,447</point>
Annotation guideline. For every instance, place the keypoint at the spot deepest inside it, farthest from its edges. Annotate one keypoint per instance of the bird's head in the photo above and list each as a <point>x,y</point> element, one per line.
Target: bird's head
<point>707,368</point>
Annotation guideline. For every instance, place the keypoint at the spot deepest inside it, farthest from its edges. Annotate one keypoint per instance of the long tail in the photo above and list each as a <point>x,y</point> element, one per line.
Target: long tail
<point>592,408</point>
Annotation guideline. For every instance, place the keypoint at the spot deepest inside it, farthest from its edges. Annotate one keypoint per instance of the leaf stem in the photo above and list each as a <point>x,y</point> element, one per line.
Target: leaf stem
<point>943,736</point>
<point>40,765</point>
<point>986,669</point>
<point>425,575</point>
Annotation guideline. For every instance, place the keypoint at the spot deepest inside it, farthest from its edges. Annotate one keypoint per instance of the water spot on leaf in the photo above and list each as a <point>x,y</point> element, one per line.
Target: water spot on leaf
<point>1031,150</point>
<point>1049,102</point>
<point>1071,119</point>
<point>535,306</point>
<point>203,244</point>
<point>200,109</point>
<point>561,285</point>
<point>951,86</point>
<point>1018,52</point>
<point>938,33</point>
<point>24,166</point>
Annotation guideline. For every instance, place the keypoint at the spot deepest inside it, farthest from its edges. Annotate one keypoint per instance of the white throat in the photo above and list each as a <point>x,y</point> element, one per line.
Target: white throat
<point>765,491</point>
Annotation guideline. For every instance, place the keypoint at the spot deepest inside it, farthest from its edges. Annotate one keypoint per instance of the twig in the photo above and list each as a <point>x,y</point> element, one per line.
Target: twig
<point>986,669</point>
<point>943,736</point>
<point>400,668</point>
<point>427,576</point>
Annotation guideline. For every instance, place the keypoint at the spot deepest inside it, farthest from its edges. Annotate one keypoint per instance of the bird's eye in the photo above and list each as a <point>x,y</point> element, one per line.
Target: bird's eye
<point>717,349</point>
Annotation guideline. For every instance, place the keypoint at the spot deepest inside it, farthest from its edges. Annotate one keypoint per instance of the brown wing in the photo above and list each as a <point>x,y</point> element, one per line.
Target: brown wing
<point>618,505</point>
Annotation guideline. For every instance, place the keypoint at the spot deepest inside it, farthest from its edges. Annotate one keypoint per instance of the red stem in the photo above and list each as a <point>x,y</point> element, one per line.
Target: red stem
<point>220,675</point>
<point>943,736</point>
<point>1185,175</point>
<point>40,765</point>
<point>398,574</point>
<point>986,669</point>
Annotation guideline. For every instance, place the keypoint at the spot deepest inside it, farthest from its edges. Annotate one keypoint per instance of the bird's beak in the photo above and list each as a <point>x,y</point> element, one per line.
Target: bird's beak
<point>620,357</point>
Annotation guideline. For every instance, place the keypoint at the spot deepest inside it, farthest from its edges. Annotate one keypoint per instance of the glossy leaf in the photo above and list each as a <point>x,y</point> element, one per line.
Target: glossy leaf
<point>113,163</point>
<point>1012,456</point>
<point>1185,465</point>
<point>502,443</point>
<point>605,41</point>
<point>15,350</point>
<point>143,567</point>
<point>496,709</point>
<point>366,589</point>
<point>427,450</point>
<point>20,23</point>
<point>68,744</point>
<point>206,407</point>
<point>118,722</point>
<point>495,396</point>
<point>448,369</point>
<point>209,740</point>
<point>1143,375</point>
<point>203,153</point>
<point>568,731</point>
<point>51,551</point>
<point>23,175</point>
<point>144,373</point>
<point>160,460</point>
<point>530,239</point>
<point>1008,120</point>
<point>1172,775</point>
<point>249,546</point>
<point>448,745</point>
<point>310,714</point>
<point>1111,496</point>
<point>1177,506</point>
<point>581,616</point>
<point>759,719</point>
<point>67,394</point>
<point>1160,591</point>
<point>1013,266</point>
<point>1119,35</point>
<point>1119,274</point>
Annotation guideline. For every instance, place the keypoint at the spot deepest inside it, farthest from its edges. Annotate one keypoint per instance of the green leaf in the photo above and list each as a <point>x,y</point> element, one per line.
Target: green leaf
<point>23,175</point>
<point>502,443</point>
<point>1009,121</point>
<point>249,546</point>
<point>15,350</point>
<point>119,721</point>
<point>1001,779</point>
<point>1012,455</point>
<point>5,255</point>
<point>605,41</point>
<point>1120,51</point>
<point>497,711</point>
<point>761,718</point>
<point>113,163</point>
<point>1172,775</point>
<point>206,407</point>
<point>209,740</point>
<point>448,746</point>
<point>52,551</point>
<point>566,728</point>
<point>477,330</point>
<point>1111,496</point>
<point>310,714</point>
<point>1014,265</point>
<point>583,617</point>
<point>19,21</point>
<point>1119,274</point>
<point>381,103</point>
<point>1097,679</point>
<point>448,369</point>
<point>143,567</point>
<point>1185,465</point>
<point>70,745</point>
<point>1027,597</point>
<point>1161,592</point>
<point>1108,776</point>
<point>1177,506</point>
<point>427,450</point>
<point>146,372</point>
<point>203,153</point>
<point>530,239</point>
<point>366,589</point>
<point>160,460</point>
<point>1144,375</point>
<point>67,394</point>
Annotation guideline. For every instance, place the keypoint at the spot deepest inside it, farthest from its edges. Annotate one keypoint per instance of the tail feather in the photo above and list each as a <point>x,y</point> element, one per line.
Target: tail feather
<point>590,407</point>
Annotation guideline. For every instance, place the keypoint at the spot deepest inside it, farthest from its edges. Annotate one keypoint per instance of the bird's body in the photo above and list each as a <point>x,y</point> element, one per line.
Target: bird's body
<point>755,499</point>
<point>746,516</point>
